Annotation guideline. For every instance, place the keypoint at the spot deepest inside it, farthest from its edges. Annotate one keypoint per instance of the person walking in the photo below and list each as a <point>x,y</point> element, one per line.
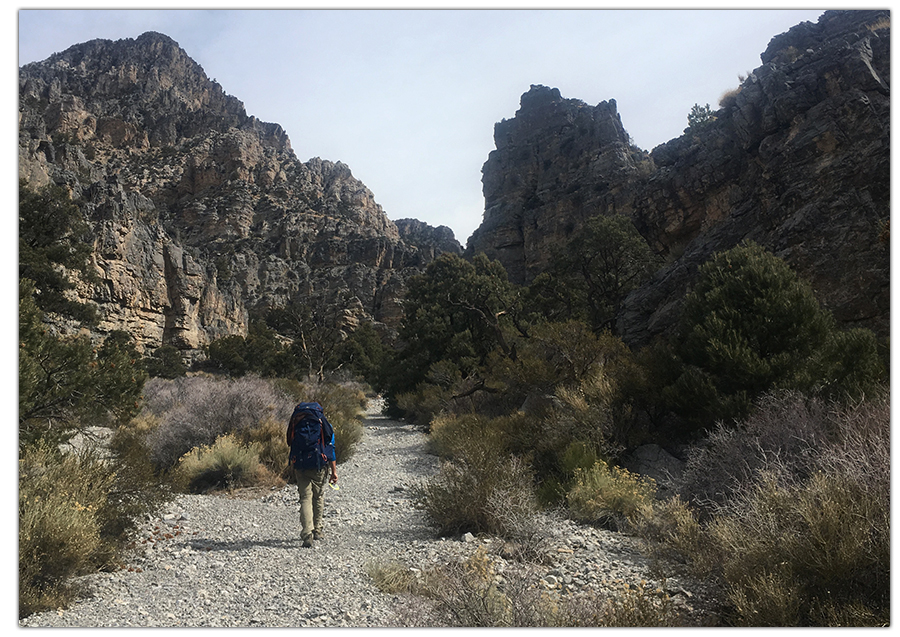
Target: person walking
<point>314,462</point>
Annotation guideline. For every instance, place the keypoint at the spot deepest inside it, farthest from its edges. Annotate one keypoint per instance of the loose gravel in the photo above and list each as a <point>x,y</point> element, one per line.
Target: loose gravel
<point>226,561</point>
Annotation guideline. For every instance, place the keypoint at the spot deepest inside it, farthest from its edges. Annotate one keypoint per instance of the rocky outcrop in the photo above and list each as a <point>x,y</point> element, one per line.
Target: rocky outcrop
<point>557,163</point>
<point>202,213</point>
<point>797,158</point>
<point>432,241</point>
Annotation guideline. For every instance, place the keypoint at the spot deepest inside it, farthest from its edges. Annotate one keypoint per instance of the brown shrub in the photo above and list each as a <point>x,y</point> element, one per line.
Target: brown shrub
<point>802,536</point>
<point>195,411</point>
<point>481,491</point>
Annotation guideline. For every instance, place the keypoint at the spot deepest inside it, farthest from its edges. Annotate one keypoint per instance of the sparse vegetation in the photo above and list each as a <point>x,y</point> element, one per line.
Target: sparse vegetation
<point>881,23</point>
<point>530,400</point>
<point>194,411</point>
<point>77,514</point>
<point>554,404</point>
<point>729,97</point>
<point>474,593</point>
<point>480,491</point>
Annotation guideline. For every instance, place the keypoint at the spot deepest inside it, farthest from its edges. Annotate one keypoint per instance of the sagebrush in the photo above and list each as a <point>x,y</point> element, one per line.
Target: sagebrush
<point>800,533</point>
<point>194,411</point>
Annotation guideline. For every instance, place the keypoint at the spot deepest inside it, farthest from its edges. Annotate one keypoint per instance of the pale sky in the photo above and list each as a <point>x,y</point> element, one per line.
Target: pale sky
<point>408,98</point>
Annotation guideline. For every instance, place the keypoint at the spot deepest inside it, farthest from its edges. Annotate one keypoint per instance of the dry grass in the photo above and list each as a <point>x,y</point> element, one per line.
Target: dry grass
<point>225,464</point>
<point>478,593</point>
<point>609,495</point>
<point>799,535</point>
<point>481,492</point>
<point>729,97</point>
<point>195,411</point>
<point>878,25</point>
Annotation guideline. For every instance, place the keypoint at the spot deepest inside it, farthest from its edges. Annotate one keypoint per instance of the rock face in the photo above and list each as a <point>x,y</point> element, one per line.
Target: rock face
<point>797,158</point>
<point>202,213</point>
<point>557,163</point>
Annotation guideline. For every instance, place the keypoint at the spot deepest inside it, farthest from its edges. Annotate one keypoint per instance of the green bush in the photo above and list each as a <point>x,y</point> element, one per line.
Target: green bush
<point>364,353</point>
<point>700,117</point>
<point>165,362</point>
<point>61,498</point>
<point>66,384</point>
<point>750,326</point>
<point>457,312</point>
<point>229,354</point>
<point>226,464</point>
<point>590,275</point>
<point>55,243</point>
<point>424,405</point>
<point>578,456</point>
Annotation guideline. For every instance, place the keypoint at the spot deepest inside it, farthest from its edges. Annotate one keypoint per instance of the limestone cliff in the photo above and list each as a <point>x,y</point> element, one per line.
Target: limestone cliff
<point>796,158</point>
<point>202,213</point>
<point>557,162</point>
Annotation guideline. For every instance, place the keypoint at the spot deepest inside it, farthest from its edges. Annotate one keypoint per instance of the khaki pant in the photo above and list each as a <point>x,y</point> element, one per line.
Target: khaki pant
<point>311,487</point>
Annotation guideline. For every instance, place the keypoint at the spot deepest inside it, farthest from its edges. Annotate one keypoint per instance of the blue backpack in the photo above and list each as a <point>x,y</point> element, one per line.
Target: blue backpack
<point>309,434</point>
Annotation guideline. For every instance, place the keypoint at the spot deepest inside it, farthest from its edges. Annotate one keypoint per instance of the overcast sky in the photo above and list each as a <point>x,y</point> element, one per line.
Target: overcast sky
<point>408,98</point>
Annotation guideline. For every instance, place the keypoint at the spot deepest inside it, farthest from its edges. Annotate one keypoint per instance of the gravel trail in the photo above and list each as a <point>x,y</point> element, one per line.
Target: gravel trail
<point>219,561</point>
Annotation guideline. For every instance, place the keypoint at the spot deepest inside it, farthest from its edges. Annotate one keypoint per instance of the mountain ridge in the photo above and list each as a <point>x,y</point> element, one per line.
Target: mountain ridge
<point>796,158</point>
<point>205,217</point>
<point>203,214</point>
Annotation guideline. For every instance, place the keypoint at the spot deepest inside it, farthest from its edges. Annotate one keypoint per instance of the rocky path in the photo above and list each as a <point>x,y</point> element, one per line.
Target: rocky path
<point>224,561</point>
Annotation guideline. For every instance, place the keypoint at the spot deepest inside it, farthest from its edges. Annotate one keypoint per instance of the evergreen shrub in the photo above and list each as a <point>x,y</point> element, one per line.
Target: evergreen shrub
<point>750,326</point>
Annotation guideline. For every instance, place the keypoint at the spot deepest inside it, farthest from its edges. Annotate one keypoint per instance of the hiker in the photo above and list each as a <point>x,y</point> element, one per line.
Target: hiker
<point>311,439</point>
